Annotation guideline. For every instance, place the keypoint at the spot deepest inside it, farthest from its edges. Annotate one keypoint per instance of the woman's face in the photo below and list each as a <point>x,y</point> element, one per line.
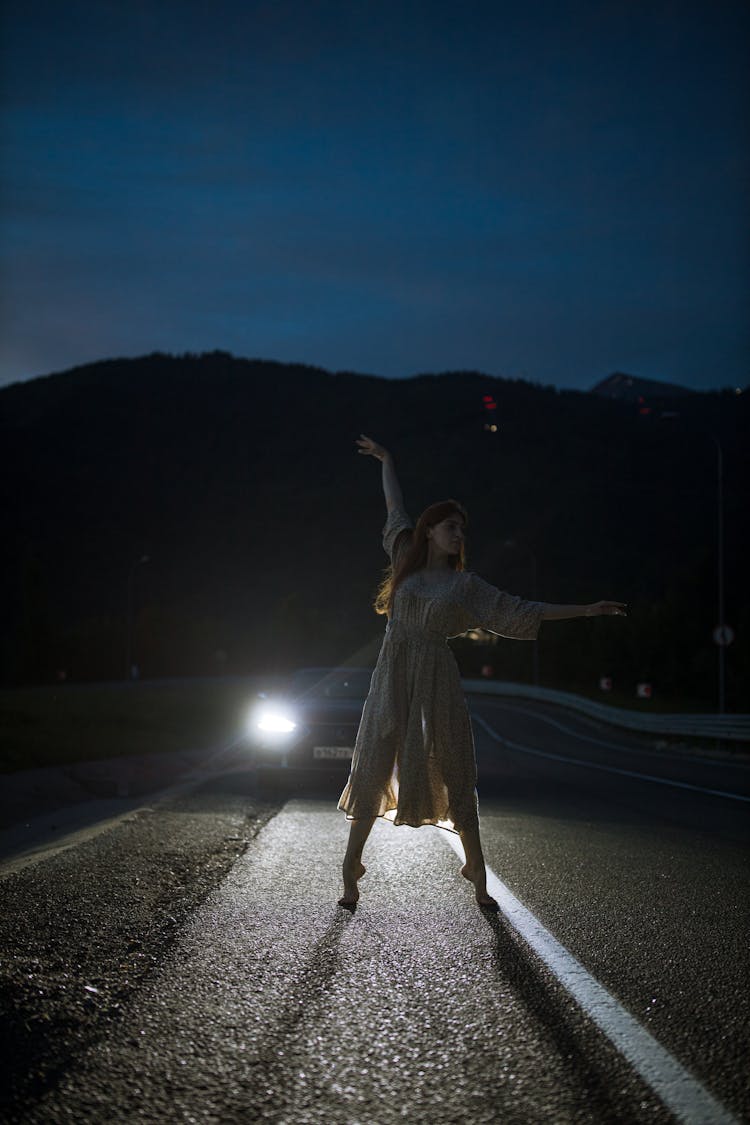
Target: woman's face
<point>448,535</point>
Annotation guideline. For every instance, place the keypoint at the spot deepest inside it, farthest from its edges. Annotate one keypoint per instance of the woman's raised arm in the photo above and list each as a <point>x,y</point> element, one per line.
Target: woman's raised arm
<point>391,487</point>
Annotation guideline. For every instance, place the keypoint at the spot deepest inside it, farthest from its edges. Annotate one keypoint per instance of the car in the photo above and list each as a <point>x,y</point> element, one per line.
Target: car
<point>306,731</point>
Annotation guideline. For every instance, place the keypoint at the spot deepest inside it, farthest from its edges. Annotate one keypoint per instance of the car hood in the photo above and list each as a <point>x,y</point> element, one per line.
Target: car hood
<point>327,710</point>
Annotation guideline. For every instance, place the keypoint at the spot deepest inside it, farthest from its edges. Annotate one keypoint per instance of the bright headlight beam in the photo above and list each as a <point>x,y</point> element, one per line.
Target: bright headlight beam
<point>275,721</point>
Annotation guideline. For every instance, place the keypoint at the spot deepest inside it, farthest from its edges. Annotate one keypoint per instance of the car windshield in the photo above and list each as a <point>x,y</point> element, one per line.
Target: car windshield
<point>331,683</point>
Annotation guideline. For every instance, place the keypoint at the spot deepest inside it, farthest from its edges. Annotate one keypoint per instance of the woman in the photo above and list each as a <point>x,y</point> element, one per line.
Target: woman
<point>414,757</point>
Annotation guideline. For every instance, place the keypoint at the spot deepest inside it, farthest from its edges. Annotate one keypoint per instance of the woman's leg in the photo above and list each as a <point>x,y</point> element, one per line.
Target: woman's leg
<point>353,868</point>
<point>474,869</point>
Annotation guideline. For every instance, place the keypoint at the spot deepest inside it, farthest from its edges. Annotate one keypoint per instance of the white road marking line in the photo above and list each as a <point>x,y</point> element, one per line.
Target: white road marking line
<point>607,769</point>
<point>682,1093</point>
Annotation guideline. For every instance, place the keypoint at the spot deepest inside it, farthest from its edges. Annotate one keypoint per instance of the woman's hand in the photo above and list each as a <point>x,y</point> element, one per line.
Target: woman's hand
<point>607,609</point>
<point>391,487</point>
<point>371,448</point>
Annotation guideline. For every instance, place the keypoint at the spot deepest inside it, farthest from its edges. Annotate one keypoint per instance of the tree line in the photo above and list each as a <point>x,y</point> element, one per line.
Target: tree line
<point>203,514</point>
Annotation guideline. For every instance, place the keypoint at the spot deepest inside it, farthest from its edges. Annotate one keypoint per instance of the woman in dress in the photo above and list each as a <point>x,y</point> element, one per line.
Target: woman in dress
<point>414,760</point>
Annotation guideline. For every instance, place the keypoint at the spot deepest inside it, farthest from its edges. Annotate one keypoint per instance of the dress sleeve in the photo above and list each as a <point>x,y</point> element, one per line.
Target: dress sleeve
<point>488,608</point>
<point>397,522</point>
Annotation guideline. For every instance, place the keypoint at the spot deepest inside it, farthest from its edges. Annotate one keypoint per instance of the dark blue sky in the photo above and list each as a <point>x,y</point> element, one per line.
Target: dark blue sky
<point>550,190</point>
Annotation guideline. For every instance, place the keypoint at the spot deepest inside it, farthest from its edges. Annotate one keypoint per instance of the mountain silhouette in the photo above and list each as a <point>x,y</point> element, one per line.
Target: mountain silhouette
<point>240,482</point>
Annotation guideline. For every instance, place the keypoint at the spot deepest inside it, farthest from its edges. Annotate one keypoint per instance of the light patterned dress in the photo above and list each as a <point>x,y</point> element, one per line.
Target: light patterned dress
<point>414,760</point>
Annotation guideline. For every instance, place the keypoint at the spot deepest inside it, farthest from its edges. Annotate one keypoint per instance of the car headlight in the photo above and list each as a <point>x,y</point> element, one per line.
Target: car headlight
<point>272,722</point>
<point>275,721</point>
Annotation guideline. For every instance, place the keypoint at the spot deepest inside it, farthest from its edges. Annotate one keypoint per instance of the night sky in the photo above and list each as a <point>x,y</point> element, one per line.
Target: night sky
<point>551,191</point>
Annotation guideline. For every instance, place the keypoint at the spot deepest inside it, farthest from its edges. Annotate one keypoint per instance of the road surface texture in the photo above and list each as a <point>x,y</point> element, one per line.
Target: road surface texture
<point>189,962</point>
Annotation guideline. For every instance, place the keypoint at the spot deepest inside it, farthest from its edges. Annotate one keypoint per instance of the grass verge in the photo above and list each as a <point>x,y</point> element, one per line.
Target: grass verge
<point>53,726</point>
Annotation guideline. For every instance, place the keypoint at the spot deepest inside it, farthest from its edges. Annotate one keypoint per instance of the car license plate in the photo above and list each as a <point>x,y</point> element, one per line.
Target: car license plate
<point>333,751</point>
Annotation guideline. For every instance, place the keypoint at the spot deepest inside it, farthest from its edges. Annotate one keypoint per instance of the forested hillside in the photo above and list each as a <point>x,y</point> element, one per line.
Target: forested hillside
<point>240,482</point>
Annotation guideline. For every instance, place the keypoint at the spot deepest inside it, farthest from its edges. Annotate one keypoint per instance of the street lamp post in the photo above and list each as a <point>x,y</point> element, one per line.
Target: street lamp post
<point>722,633</point>
<point>129,667</point>
<point>720,561</point>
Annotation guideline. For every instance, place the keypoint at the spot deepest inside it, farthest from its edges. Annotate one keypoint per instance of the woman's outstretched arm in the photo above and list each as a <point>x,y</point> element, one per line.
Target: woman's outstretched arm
<point>551,612</point>
<point>391,487</point>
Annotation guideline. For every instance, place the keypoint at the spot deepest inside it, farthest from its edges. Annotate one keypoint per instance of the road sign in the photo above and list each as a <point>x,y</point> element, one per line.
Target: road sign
<point>605,683</point>
<point>723,635</point>
<point>643,691</point>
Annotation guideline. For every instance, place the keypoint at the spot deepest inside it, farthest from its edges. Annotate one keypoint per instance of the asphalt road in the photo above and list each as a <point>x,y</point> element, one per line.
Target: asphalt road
<point>190,963</point>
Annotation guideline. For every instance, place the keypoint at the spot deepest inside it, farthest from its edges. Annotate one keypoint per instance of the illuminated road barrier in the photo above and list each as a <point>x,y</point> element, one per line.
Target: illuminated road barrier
<point>735,728</point>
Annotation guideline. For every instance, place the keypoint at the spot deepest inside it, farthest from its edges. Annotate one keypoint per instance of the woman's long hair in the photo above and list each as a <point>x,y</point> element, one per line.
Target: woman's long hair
<point>409,559</point>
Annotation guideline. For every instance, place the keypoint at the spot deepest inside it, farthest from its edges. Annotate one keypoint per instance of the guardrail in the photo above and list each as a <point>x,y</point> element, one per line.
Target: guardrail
<point>734,728</point>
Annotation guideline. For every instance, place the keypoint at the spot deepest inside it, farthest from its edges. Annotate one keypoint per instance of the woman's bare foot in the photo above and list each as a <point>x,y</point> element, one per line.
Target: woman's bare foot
<point>479,879</point>
<point>351,875</point>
